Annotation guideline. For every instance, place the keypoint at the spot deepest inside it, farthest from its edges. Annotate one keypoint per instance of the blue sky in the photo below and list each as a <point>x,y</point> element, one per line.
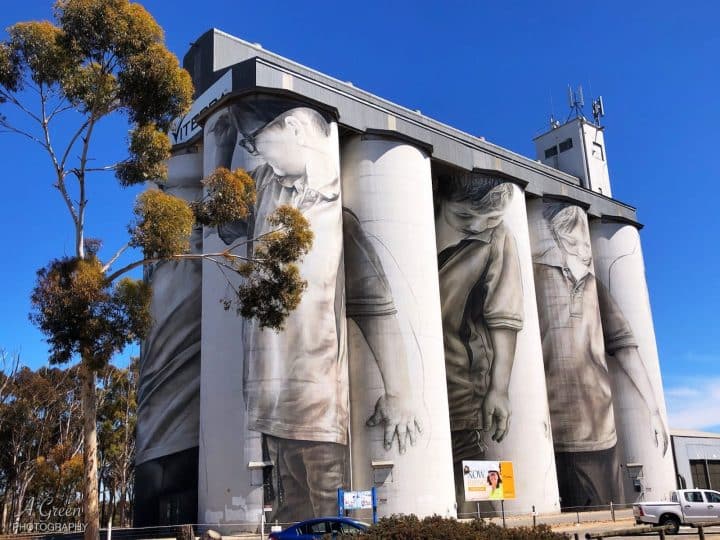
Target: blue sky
<point>494,69</point>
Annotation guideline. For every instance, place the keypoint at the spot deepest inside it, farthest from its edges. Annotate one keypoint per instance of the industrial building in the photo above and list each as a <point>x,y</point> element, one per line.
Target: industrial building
<point>464,304</point>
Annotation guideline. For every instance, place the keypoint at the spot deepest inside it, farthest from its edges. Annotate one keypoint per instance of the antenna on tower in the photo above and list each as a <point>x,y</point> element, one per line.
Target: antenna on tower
<point>598,109</point>
<point>554,124</point>
<point>576,101</point>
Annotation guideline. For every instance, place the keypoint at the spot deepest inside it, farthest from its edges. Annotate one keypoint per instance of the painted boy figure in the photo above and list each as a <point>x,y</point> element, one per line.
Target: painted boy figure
<point>296,381</point>
<point>482,310</point>
<point>296,384</point>
<point>579,324</point>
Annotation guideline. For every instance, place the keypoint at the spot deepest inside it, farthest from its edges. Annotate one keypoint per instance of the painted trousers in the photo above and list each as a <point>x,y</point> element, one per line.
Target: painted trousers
<point>589,479</point>
<point>305,477</point>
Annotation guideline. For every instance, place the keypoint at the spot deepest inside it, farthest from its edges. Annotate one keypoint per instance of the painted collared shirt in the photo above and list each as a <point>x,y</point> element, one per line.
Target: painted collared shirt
<point>296,381</point>
<point>480,289</point>
<point>579,322</point>
<point>367,289</point>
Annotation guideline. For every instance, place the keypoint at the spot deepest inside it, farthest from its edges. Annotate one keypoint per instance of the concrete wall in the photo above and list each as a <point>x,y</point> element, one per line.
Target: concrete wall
<point>691,445</point>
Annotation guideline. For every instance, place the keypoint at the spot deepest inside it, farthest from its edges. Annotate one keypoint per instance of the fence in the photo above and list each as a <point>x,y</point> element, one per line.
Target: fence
<point>571,515</point>
<point>617,518</point>
<point>646,531</point>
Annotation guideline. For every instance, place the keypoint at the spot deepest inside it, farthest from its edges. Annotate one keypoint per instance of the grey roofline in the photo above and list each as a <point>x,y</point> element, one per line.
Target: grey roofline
<point>691,433</point>
<point>383,104</point>
<point>582,118</point>
<point>450,145</point>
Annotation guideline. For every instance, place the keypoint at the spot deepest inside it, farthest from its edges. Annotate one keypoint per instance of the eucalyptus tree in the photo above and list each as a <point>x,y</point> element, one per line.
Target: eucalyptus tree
<point>97,59</point>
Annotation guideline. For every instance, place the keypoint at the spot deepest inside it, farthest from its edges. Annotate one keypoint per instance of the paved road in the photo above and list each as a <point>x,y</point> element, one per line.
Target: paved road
<point>686,533</point>
<point>600,522</point>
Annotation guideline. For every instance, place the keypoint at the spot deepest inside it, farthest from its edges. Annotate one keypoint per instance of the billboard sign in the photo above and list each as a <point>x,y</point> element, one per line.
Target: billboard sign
<point>488,480</point>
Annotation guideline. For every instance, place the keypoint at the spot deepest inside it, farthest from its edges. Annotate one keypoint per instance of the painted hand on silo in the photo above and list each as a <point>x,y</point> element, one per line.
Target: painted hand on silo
<point>398,417</point>
<point>496,414</point>
<point>495,410</point>
<point>659,433</point>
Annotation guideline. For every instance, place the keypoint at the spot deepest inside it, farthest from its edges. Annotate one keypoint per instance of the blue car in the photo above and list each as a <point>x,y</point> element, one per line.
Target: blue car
<point>319,527</point>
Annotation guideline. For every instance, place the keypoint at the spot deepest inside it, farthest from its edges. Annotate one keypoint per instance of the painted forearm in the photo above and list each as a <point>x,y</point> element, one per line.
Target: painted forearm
<point>385,341</point>
<point>629,361</point>
<point>504,342</point>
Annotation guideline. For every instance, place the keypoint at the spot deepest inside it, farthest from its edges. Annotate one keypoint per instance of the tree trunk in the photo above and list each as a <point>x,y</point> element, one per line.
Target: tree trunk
<point>90,483</point>
<point>121,503</point>
<point>112,505</point>
<point>20,500</point>
<point>103,509</point>
<point>4,517</point>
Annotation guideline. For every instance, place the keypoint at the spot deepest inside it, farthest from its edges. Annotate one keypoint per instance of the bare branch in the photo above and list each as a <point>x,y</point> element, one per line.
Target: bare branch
<point>107,168</point>
<point>28,83</point>
<point>60,108</point>
<point>59,166</point>
<point>10,98</point>
<point>247,241</point>
<point>112,63</point>
<point>114,258</point>
<point>9,365</point>
<point>80,174</point>
<point>70,145</point>
<point>5,127</point>
<point>222,262</point>
<point>60,186</point>
<point>46,132</point>
<point>222,266</point>
<point>222,256</point>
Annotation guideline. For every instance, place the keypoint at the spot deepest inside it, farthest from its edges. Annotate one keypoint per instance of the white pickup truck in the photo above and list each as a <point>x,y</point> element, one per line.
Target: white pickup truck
<point>686,507</point>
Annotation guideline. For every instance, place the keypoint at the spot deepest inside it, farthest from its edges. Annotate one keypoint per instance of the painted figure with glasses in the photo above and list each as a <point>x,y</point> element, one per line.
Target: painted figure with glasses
<point>295,380</point>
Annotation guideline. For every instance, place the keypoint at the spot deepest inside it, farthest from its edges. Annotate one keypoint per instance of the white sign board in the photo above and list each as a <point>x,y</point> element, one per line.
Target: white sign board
<point>186,127</point>
<point>357,500</point>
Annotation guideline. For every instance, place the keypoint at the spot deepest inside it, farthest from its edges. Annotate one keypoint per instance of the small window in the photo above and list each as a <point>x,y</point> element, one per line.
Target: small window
<point>550,152</point>
<point>712,496</point>
<point>349,529</point>
<point>693,496</point>
<point>566,145</point>
<point>597,151</point>
<point>320,527</point>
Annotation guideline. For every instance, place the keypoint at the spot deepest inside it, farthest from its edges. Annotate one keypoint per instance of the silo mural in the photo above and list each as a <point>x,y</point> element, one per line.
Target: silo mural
<point>169,389</point>
<point>228,490</point>
<point>293,401</point>
<point>484,280</point>
<point>397,377</point>
<point>456,333</point>
<point>639,406</point>
<point>583,330</point>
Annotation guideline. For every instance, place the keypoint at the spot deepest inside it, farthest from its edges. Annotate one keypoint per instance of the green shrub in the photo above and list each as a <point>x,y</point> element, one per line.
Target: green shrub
<point>439,528</point>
